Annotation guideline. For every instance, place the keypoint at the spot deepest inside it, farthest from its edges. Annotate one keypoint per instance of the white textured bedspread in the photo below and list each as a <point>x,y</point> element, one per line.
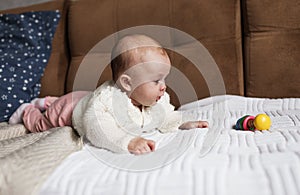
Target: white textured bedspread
<point>213,161</point>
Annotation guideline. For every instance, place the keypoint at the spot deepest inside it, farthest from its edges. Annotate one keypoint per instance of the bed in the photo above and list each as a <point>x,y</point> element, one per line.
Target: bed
<point>217,160</point>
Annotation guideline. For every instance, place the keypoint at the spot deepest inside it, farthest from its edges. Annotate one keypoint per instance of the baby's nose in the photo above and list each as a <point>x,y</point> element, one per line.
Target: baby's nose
<point>163,87</point>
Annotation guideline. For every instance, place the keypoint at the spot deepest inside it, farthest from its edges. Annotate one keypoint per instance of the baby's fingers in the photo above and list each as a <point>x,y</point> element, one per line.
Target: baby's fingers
<point>202,124</point>
<point>146,147</point>
<point>151,145</point>
<point>143,150</point>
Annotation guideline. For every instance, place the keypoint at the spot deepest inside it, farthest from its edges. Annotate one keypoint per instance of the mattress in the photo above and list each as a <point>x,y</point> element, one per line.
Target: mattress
<point>217,160</point>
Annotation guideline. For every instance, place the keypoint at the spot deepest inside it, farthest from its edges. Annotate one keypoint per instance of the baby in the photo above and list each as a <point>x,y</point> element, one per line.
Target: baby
<point>119,112</point>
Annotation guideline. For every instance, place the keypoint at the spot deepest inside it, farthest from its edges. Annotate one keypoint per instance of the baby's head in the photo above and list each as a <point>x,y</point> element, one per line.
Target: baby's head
<point>139,67</point>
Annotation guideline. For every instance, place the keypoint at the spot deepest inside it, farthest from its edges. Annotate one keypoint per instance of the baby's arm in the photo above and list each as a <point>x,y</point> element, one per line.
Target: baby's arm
<point>102,130</point>
<point>140,145</point>
<point>177,119</point>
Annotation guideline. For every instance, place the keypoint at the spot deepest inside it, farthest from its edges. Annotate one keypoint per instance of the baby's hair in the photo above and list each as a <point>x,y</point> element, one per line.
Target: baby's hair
<point>130,48</point>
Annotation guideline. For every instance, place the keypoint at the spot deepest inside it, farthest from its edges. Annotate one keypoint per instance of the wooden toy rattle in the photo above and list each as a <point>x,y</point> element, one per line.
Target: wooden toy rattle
<point>259,122</point>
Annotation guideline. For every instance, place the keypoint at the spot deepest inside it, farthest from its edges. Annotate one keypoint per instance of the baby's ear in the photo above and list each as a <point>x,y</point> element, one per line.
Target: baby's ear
<point>125,82</point>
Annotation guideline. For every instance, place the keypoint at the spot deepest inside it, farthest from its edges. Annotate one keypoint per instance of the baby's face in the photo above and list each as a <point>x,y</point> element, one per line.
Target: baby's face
<point>148,78</point>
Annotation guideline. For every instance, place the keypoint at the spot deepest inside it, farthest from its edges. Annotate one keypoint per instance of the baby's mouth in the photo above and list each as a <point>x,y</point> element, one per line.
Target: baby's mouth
<point>158,98</point>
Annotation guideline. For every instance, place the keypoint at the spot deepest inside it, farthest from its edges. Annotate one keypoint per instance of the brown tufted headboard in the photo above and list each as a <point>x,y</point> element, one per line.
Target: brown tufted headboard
<point>255,43</point>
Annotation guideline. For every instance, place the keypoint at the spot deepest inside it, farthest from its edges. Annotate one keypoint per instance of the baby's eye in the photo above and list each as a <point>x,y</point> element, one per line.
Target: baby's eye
<point>159,81</point>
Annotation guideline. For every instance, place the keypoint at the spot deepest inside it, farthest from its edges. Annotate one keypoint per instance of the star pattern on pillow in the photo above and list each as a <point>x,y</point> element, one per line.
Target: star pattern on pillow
<point>25,47</point>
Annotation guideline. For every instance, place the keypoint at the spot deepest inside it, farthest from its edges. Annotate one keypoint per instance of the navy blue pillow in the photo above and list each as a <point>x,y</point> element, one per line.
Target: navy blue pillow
<point>25,47</point>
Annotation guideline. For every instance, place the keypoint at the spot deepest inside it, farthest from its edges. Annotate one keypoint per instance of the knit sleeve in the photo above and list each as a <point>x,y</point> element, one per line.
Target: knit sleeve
<point>172,119</point>
<point>102,130</point>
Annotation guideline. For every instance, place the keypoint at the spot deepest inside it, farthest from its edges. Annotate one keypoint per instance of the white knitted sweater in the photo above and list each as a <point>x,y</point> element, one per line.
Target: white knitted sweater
<point>109,120</point>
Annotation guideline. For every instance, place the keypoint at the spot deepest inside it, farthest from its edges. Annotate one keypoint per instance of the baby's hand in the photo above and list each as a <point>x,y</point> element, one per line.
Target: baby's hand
<point>140,145</point>
<point>194,124</point>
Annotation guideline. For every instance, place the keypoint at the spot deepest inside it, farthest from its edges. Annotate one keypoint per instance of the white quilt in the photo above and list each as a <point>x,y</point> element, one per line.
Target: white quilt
<point>213,161</point>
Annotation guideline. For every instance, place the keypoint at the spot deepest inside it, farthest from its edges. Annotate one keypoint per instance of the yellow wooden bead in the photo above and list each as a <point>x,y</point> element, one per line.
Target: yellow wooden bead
<point>262,122</point>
